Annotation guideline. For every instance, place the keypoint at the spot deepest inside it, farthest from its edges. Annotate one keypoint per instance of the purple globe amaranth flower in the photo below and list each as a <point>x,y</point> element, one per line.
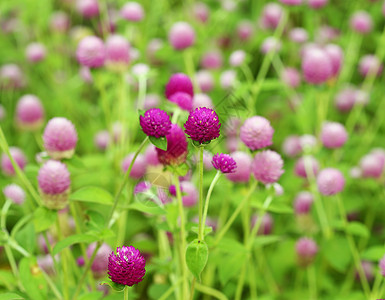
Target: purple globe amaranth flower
<point>176,152</point>
<point>15,193</point>
<point>330,181</point>
<point>151,156</point>
<point>54,184</point>
<point>266,224</point>
<point>11,77</point>
<point>203,125</point>
<point>306,250</point>
<point>46,263</point>
<point>345,99</point>
<point>298,35</point>
<point>127,266</point>
<point>336,56</point>
<point>212,60</point>
<point>155,122</point>
<point>245,30</point>
<point>179,82</point>
<point>59,21</point>
<point>243,170</point>
<point>303,202</point>
<point>190,197</point>
<point>117,51</point>
<point>19,158</point>
<point>201,12</point>
<point>139,167</point>
<point>87,8</point>
<point>256,133</point>
<point>271,44</point>
<point>271,15</point>
<point>224,163</point>
<point>292,146</point>
<point>181,36</point>
<point>316,4</point>
<point>370,64</point>
<point>102,139</point>
<point>132,11</point>
<point>382,266</point>
<point>316,66</point>
<point>368,269</point>
<point>183,100</point>
<point>99,266</point>
<point>29,112</point>
<point>267,166</point>
<point>333,135</point>
<point>372,166</point>
<point>202,100</point>
<point>35,52</point>
<point>237,58</point>
<point>291,2</point>
<point>60,138</point>
<point>308,142</point>
<point>91,52</point>
<point>141,187</point>
<point>291,77</point>
<point>361,22</point>
<point>204,80</point>
<point>306,164</point>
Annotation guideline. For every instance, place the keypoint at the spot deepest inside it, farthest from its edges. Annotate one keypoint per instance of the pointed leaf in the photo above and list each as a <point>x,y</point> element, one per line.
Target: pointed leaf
<point>160,143</point>
<point>43,218</point>
<point>92,194</point>
<point>197,254</point>
<point>74,239</point>
<point>116,286</point>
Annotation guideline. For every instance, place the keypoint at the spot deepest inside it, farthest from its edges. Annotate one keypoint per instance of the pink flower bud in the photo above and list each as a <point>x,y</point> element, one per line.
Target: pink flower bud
<point>242,173</point>
<point>212,60</point>
<point>291,2</point>
<point>271,44</point>
<point>306,251</point>
<point>316,4</point>
<point>91,52</point>
<point>132,11</point>
<point>15,193</point>
<point>117,51</point>
<point>237,58</point>
<point>228,79</point>
<point>292,146</point>
<point>266,224</point>
<point>361,22</point>
<point>271,15</point>
<point>372,165</point>
<point>138,169</point>
<point>303,202</point>
<point>306,164</point>
<point>370,64</point>
<point>317,66</point>
<point>181,36</point>
<point>298,35</point>
<point>204,80</point>
<point>256,133</point>
<point>344,100</point>
<point>330,181</point>
<point>191,193</point>
<point>201,12</point>
<point>11,77</point>
<point>202,100</point>
<point>59,21</point>
<point>102,139</point>
<point>35,52</point>
<point>333,135</point>
<point>87,8</point>
<point>19,158</point>
<point>291,77</point>
<point>29,112</point>
<point>267,166</point>
<point>245,30</point>
<point>336,56</point>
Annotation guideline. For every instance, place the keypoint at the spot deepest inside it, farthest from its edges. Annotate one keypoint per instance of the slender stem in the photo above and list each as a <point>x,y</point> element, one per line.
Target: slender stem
<point>200,204</point>
<point>210,291</point>
<point>353,249</point>
<point>64,264</point>
<point>215,180</point>
<point>142,91</point>
<point>241,281</point>
<point>4,211</point>
<point>126,293</point>
<point>192,289</point>
<point>312,282</point>
<point>182,236</point>
<point>252,278</point>
<point>189,65</point>
<point>124,182</point>
<point>170,290</point>
<point>52,285</point>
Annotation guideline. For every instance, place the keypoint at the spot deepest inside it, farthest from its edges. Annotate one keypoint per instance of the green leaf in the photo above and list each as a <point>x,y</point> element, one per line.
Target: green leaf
<point>116,286</point>
<point>227,245</point>
<point>32,279</point>
<point>373,253</point>
<point>148,207</point>
<point>337,253</point>
<point>11,296</point>
<point>181,169</point>
<point>357,228</point>
<point>197,254</point>
<point>160,143</point>
<point>74,239</point>
<point>92,194</point>
<point>3,238</point>
<point>232,267</point>
<point>75,162</point>
<point>276,207</point>
<point>43,218</point>
<point>262,240</point>
<point>206,231</point>
<point>141,112</point>
<point>7,279</point>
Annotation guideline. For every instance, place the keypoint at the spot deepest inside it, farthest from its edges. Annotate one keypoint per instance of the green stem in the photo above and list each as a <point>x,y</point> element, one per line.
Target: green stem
<point>192,289</point>
<point>200,204</point>
<point>142,91</point>
<point>241,281</point>
<point>252,278</point>
<point>64,264</point>
<point>215,180</point>
<point>312,282</point>
<point>210,291</point>
<point>126,293</point>
<point>52,285</point>
<point>170,290</point>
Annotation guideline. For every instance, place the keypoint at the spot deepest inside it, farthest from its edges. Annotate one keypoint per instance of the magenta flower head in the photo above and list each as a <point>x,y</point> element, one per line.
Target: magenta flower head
<point>132,11</point>
<point>266,224</point>
<point>298,35</point>
<point>256,133</point>
<point>201,12</point>
<point>237,58</point>
<point>372,165</point>
<point>224,163</point>
<point>212,60</point>
<point>333,135</point>
<point>267,166</point>
<point>271,15</point>
<point>127,266</point>
<point>100,263</point>
<point>345,99</point>
<point>179,82</point>
<point>102,139</point>
<point>88,8</point>
<point>35,52</point>
<point>183,100</point>
<point>139,167</point>
<point>317,66</point>
<point>245,30</point>
<point>382,266</point>
<point>15,193</point>
<point>361,22</point>
<point>181,36</point>
<point>292,146</point>
<point>303,202</point>
<point>155,122</point>
<point>306,250</point>
<point>291,77</point>
<point>305,165</point>
<point>205,80</point>
<point>370,64</point>
<point>60,138</point>
<point>203,125</point>
<point>29,112</point>
<point>117,51</point>
<point>242,172</point>
<point>176,152</point>
<point>11,77</point>
<point>336,56</point>
<point>317,4</point>
<point>291,2</point>
<point>59,21</point>
<point>54,184</point>
<point>330,181</point>
<point>202,100</point>
<point>19,158</point>
<point>91,52</point>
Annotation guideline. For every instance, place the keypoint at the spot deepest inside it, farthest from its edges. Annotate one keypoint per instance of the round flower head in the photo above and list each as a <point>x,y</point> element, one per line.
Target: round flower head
<point>336,56</point>
<point>306,251</point>
<point>35,52</point>
<point>237,58</point>
<point>292,146</point>
<point>29,112</point>
<point>54,184</point>
<point>291,2</point>
<point>155,122</point>
<point>242,172</point>
<point>330,181</point>
<point>183,100</point>
<point>202,100</point>
<point>245,30</point>
<point>308,142</point>
<point>317,66</point>
<point>370,64</point>
<point>91,52</point>
<point>205,80</point>
<point>303,202</point>
<point>190,197</point>
<point>271,44</point>
<point>142,187</point>
<point>267,166</point>
<point>224,163</point>
<point>382,266</point>
<point>117,51</point>
<point>301,168</point>
<point>19,158</point>
<point>138,169</point>
<point>316,4</point>
<point>203,125</point>
<point>11,77</point>
<point>372,166</point>
<point>60,21</point>
<point>132,11</point>
<point>88,8</point>
<point>15,193</point>
<point>333,135</point>
<point>256,133</point>
<point>266,224</point>
<point>60,138</point>
<point>100,263</point>
<point>228,79</point>
<point>201,12</point>
<point>181,36</point>
<point>126,266</point>
<point>212,60</point>
<point>176,152</point>
<point>151,156</point>
<point>361,22</point>
<point>291,77</point>
<point>344,100</point>
<point>102,139</point>
<point>179,82</point>
<point>298,35</point>
<point>271,15</point>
